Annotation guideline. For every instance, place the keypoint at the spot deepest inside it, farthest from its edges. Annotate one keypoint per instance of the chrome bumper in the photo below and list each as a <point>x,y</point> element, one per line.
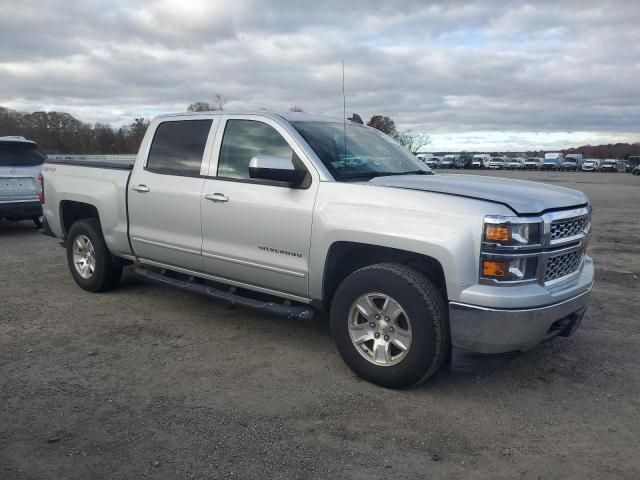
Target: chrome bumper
<point>490,330</point>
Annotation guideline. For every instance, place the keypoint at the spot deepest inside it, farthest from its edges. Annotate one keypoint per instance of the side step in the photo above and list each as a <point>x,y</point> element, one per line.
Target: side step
<point>302,312</point>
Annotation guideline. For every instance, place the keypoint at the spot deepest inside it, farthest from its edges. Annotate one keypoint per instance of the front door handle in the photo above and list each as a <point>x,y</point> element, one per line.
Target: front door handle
<point>217,197</point>
<point>141,188</point>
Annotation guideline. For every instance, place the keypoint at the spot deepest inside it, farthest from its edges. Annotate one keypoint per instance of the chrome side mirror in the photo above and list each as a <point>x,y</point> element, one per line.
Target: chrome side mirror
<point>276,169</point>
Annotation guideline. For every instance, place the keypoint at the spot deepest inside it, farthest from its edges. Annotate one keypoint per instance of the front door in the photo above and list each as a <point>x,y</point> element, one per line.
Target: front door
<point>164,193</point>
<point>256,232</point>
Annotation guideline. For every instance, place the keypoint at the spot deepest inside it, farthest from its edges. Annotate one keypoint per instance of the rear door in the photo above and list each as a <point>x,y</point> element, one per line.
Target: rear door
<point>164,192</point>
<point>256,232</point>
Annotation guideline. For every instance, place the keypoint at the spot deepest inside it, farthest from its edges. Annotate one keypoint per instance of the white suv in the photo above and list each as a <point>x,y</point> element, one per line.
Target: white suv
<point>20,166</point>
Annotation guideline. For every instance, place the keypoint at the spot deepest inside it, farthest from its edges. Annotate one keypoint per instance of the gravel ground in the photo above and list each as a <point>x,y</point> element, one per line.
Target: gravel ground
<point>148,381</point>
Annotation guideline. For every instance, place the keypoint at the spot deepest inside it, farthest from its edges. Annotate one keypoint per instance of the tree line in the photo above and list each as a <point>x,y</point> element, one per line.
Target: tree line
<point>61,133</point>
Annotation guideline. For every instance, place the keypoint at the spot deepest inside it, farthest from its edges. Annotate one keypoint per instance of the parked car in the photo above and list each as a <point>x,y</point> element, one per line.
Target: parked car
<point>497,163</point>
<point>609,165</point>
<point>481,160</point>
<point>265,210</point>
<point>533,163</point>
<point>424,156</point>
<point>632,162</point>
<point>464,160</point>
<point>20,164</point>
<point>572,162</point>
<point>447,161</point>
<point>591,165</point>
<point>552,161</point>
<point>636,170</point>
<point>432,162</point>
<point>515,163</point>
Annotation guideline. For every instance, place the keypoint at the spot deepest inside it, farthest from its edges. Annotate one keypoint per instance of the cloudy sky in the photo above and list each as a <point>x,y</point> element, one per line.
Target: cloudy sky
<point>489,75</point>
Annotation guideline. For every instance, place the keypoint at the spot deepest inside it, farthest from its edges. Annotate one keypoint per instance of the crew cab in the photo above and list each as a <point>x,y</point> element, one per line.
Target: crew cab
<point>285,214</point>
<point>20,164</point>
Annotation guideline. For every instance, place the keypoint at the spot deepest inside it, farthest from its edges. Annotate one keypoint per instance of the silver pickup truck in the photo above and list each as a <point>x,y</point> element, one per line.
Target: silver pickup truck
<point>291,213</point>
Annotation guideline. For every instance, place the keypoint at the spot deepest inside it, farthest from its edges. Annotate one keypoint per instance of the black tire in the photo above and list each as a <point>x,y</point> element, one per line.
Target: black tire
<point>108,269</point>
<point>423,303</point>
<point>37,221</point>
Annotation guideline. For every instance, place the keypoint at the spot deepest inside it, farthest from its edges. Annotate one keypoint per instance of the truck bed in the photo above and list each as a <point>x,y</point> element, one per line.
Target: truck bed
<point>99,184</point>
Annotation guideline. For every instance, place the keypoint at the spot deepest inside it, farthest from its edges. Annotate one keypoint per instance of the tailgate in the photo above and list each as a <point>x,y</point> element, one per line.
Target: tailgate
<point>15,187</point>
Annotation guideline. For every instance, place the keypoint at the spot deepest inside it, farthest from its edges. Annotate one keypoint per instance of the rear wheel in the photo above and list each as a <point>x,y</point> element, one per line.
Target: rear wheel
<point>37,222</point>
<point>91,264</point>
<point>390,325</point>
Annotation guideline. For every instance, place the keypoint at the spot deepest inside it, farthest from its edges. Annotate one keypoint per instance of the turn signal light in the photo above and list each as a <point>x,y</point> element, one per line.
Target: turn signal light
<point>494,269</point>
<point>497,233</point>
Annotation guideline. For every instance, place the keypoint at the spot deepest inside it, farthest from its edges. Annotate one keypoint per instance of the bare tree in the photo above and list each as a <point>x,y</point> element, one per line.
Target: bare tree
<point>296,108</point>
<point>217,104</point>
<point>412,141</point>
<point>384,124</point>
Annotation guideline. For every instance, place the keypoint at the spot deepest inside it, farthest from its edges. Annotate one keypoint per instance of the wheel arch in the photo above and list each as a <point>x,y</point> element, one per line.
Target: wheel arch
<point>345,257</point>
<point>71,211</point>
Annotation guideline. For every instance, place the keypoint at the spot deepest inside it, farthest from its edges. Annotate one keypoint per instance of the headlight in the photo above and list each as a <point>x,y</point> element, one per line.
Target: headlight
<point>512,232</point>
<point>508,269</point>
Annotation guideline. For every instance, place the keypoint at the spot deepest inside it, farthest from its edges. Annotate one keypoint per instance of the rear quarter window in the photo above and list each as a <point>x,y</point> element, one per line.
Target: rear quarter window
<point>20,155</point>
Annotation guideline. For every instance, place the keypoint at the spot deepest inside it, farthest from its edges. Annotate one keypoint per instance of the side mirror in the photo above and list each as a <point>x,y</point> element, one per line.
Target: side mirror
<point>276,169</point>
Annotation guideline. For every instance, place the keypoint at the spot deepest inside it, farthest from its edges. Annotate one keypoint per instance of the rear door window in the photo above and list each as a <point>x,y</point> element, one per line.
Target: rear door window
<point>178,147</point>
<point>15,154</point>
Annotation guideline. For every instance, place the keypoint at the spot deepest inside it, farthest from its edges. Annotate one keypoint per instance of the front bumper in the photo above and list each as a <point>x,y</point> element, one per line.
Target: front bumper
<point>21,209</point>
<point>493,330</point>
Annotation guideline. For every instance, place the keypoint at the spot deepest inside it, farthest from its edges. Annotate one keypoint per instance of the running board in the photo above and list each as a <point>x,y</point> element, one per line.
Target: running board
<point>301,312</point>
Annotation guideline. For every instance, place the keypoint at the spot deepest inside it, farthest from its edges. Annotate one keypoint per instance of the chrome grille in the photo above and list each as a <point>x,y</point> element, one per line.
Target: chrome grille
<point>563,265</point>
<point>568,228</point>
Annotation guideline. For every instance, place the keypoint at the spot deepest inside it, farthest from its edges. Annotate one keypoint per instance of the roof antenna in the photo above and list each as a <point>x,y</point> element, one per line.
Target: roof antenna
<point>344,115</point>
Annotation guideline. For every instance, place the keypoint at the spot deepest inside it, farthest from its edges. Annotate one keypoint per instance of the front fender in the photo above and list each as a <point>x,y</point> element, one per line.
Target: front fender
<point>444,227</point>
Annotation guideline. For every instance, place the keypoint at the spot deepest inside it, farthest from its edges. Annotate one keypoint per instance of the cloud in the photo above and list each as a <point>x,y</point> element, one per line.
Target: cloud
<point>445,68</point>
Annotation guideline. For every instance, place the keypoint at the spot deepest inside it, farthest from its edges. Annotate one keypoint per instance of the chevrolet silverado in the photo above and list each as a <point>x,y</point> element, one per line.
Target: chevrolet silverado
<point>291,213</point>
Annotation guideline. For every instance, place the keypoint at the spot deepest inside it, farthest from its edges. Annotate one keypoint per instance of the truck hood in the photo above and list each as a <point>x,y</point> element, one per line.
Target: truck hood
<point>524,198</point>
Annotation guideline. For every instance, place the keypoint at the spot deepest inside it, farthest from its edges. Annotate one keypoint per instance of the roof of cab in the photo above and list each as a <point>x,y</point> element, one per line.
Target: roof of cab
<point>289,116</point>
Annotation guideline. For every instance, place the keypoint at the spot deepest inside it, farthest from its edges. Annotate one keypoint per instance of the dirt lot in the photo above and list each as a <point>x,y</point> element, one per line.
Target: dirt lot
<point>147,381</point>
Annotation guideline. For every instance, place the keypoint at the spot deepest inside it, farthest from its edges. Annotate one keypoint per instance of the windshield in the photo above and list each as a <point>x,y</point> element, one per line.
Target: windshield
<point>365,153</point>
<point>570,160</point>
<point>16,154</point>
<point>609,162</point>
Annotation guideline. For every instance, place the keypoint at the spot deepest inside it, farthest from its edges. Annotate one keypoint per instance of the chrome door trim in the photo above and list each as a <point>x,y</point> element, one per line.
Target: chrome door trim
<point>226,281</point>
<point>253,264</point>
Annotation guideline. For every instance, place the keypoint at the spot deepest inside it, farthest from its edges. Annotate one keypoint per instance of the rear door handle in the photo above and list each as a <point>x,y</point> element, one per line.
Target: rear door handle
<point>141,188</point>
<point>217,197</point>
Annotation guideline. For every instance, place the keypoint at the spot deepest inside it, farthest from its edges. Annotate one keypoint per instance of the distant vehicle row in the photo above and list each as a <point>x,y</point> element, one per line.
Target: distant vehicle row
<point>551,161</point>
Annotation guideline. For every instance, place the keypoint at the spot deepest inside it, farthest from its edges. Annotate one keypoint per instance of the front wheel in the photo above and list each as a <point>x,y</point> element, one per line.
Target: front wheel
<point>390,325</point>
<point>91,264</point>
